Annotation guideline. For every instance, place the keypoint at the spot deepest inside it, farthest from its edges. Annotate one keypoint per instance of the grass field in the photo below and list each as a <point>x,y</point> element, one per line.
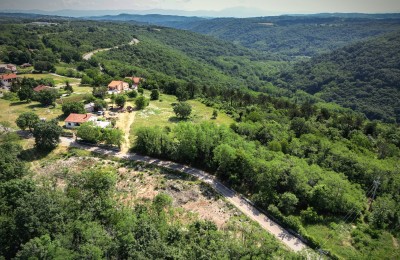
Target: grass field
<point>347,243</point>
<point>160,113</point>
<point>10,110</point>
<point>57,79</point>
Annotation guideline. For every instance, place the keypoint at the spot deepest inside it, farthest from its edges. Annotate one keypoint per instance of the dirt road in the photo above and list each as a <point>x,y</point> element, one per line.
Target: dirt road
<point>89,55</point>
<point>236,199</point>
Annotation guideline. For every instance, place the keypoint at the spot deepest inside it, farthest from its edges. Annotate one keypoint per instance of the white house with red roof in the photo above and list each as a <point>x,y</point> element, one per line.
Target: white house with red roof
<point>75,120</point>
<point>6,80</point>
<point>117,86</point>
<point>8,68</point>
<point>41,88</point>
<point>136,81</point>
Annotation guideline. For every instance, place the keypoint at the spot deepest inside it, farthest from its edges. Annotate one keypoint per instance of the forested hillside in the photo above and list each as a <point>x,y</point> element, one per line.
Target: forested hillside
<point>293,36</point>
<point>364,76</point>
<point>310,164</point>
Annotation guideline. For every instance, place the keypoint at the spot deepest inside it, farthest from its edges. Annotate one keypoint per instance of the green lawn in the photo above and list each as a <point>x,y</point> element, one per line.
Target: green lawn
<point>160,113</point>
<point>10,110</point>
<point>57,79</point>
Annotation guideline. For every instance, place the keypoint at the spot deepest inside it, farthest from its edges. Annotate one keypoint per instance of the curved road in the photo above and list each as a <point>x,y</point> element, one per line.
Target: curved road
<point>89,55</point>
<point>236,199</point>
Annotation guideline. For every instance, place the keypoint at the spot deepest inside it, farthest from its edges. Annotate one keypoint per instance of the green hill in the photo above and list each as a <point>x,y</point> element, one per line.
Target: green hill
<point>364,76</point>
<point>293,36</point>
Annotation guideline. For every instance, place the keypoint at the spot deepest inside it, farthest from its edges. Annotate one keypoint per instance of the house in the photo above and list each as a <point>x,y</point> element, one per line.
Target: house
<point>117,86</point>
<point>40,88</point>
<point>8,68</point>
<point>89,107</point>
<point>75,120</point>
<point>136,81</point>
<point>6,80</point>
<point>26,65</point>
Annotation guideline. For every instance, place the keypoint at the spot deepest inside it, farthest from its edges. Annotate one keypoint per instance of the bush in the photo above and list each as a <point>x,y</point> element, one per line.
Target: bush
<point>132,94</point>
<point>11,96</point>
<point>183,110</point>
<point>155,94</point>
<point>141,102</point>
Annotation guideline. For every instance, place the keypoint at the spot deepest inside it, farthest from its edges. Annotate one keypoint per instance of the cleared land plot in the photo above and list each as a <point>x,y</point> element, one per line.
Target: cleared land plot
<point>160,113</point>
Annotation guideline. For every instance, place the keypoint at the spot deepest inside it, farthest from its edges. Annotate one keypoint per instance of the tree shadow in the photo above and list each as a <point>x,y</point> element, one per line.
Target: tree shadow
<point>33,154</point>
<point>175,119</point>
<point>18,103</point>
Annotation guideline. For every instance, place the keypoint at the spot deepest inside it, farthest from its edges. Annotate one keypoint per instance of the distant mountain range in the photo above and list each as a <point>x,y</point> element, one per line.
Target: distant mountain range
<point>230,12</point>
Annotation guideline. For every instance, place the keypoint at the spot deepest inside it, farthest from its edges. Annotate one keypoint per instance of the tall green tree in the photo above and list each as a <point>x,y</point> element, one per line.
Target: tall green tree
<point>27,120</point>
<point>47,135</point>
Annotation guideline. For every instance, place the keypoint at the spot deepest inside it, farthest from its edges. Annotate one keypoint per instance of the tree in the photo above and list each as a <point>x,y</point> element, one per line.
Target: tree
<point>120,100</point>
<point>141,102</point>
<point>47,135</point>
<point>155,94</point>
<point>100,105</point>
<point>215,114</point>
<point>299,126</point>
<point>27,120</point>
<point>73,107</point>
<point>11,167</point>
<point>68,87</point>
<point>25,93</point>
<point>89,133</point>
<point>182,110</point>
<point>132,94</point>
<point>288,202</point>
<point>47,97</point>
<point>112,136</point>
<point>44,66</point>
<point>100,92</point>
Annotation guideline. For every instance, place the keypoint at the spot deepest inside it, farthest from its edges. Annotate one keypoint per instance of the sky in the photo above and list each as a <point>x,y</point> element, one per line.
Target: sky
<point>276,6</point>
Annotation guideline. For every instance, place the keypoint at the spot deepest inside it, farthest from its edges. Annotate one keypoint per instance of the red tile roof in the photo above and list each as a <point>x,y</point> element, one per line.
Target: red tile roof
<point>136,80</point>
<point>115,84</point>
<point>40,88</point>
<point>8,76</point>
<point>78,118</point>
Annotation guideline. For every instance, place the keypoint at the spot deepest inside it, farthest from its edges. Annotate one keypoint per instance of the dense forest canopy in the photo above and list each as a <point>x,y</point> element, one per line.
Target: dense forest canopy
<point>306,162</point>
<point>364,76</point>
<point>293,36</point>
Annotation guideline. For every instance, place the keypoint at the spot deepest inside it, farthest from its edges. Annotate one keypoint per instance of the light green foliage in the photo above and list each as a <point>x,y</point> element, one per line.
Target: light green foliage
<point>89,133</point>
<point>182,110</point>
<point>141,102</point>
<point>120,100</point>
<point>27,120</point>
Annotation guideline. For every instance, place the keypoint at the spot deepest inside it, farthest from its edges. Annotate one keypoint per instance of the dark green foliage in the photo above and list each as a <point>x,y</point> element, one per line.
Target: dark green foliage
<point>68,87</point>
<point>73,107</point>
<point>47,135</point>
<point>290,37</point>
<point>27,120</point>
<point>99,92</point>
<point>132,94</point>
<point>155,94</point>
<point>44,66</point>
<point>100,105</point>
<point>363,76</point>
<point>183,110</point>
<point>47,97</point>
<point>11,166</point>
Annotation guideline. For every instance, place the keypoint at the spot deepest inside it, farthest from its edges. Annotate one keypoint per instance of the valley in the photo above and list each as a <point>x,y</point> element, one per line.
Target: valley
<point>200,138</point>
